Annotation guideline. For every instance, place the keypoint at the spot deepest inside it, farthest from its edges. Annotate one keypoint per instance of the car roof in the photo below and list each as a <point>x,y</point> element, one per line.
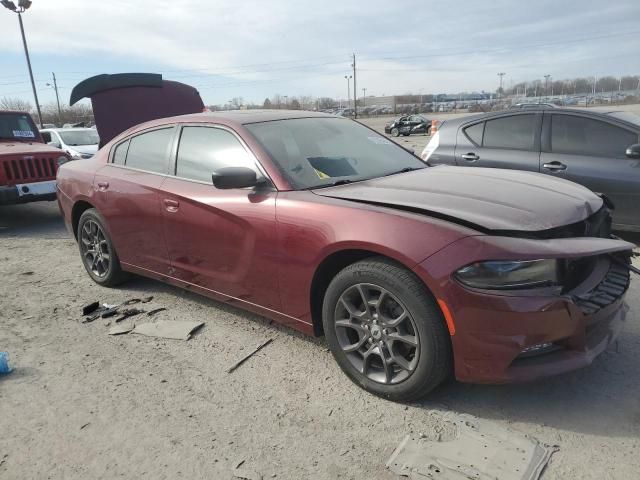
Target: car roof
<point>235,117</point>
<point>611,114</point>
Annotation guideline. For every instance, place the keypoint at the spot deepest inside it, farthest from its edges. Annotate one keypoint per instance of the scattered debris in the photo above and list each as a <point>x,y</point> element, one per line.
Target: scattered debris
<point>85,425</point>
<point>247,357</point>
<point>147,299</point>
<point>131,301</point>
<point>128,312</point>
<point>244,473</point>
<point>121,329</point>
<point>4,363</point>
<point>168,329</point>
<point>157,310</point>
<point>92,307</point>
<point>476,448</point>
<point>27,273</point>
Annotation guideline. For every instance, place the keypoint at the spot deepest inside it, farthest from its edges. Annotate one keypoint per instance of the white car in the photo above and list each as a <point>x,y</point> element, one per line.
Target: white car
<point>77,142</point>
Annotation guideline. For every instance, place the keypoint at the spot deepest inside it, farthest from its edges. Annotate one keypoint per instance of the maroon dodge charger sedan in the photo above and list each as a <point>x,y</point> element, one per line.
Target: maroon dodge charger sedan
<point>413,273</point>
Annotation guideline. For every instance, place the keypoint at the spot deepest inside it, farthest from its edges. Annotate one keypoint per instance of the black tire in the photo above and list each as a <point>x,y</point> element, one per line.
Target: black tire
<point>434,361</point>
<point>395,132</point>
<point>406,134</point>
<point>107,273</point>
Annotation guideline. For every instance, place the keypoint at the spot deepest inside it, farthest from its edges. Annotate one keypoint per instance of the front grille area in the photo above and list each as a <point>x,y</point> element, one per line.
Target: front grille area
<point>30,169</point>
<point>611,288</point>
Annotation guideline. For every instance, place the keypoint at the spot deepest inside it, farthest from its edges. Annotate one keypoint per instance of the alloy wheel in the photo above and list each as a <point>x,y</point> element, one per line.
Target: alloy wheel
<point>95,248</point>
<point>377,333</point>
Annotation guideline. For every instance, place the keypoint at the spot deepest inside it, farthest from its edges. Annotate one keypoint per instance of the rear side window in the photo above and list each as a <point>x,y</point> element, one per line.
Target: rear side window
<point>516,132</point>
<point>474,132</point>
<point>148,151</point>
<point>120,154</point>
<point>584,136</point>
<point>203,150</point>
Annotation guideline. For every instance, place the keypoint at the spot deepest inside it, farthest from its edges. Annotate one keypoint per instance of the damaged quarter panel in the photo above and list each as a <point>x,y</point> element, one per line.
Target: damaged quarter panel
<point>493,328</point>
<point>311,228</point>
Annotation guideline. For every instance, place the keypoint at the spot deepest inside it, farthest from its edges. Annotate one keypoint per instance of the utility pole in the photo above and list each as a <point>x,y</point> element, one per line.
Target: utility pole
<point>501,74</point>
<point>364,97</point>
<point>546,84</point>
<point>55,87</point>
<point>23,5</point>
<point>355,97</point>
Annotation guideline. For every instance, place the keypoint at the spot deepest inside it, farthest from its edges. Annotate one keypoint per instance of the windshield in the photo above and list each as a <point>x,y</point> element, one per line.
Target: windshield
<point>317,152</point>
<point>80,137</point>
<point>17,126</point>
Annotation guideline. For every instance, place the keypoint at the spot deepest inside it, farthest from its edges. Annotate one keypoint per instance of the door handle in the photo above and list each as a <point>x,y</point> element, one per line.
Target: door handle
<point>171,205</point>
<point>103,186</point>
<point>470,157</point>
<point>554,166</point>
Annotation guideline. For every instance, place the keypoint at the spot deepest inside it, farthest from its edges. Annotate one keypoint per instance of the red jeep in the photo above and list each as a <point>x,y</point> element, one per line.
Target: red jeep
<point>28,166</point>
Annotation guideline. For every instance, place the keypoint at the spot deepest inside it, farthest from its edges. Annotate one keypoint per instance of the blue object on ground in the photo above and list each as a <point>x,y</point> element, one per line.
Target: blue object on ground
<point>4,363</point>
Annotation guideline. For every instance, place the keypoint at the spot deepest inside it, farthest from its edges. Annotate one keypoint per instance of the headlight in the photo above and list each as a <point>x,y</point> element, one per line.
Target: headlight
<point>507,274</point>
<point>62,160</point>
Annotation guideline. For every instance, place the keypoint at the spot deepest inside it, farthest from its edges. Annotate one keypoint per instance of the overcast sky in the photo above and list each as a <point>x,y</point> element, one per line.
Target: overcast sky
<point>255,49</point>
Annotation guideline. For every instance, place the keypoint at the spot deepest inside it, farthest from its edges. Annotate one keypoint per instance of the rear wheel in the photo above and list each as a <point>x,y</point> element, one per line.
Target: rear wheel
<point>98,255</point>
<point>386,331</point>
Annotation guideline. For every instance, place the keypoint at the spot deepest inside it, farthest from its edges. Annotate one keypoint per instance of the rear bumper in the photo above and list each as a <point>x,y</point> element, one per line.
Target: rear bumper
<point>28,192</point>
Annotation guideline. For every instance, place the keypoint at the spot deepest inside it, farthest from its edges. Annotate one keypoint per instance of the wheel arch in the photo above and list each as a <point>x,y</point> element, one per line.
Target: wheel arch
<point>76,212</point>
<point>329,267</point>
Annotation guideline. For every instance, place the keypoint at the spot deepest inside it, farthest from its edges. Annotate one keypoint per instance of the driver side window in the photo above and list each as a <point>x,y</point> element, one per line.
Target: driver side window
<point>203,150</point>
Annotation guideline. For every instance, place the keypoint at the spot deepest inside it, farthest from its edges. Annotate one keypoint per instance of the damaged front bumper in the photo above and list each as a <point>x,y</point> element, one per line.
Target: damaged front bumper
<point>522,335</point>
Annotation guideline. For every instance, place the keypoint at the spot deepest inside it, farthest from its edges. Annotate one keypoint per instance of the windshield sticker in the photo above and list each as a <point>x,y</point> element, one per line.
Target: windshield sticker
<point>379,140</point>
<point>24,134</point>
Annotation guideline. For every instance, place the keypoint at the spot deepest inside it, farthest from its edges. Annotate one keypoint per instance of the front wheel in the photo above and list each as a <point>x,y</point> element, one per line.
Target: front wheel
<point>98,255</point>
<point>395,132</point>
<point>386,331</point>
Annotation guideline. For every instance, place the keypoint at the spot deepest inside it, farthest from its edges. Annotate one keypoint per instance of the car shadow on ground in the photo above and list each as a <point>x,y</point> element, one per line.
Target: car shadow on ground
<point>41,220</point>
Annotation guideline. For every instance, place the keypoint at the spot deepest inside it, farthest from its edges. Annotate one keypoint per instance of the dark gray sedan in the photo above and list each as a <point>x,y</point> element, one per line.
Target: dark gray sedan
<point>598,149</point>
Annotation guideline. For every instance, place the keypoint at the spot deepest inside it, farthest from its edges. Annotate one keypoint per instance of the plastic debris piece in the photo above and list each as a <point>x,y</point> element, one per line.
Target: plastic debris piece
<point>475,449</point>
<point>128,312</point>
<point>121,328</point>
<point>147,299</point>
<point>168,329</point>
<point>92,307</point>
<point>4,363</point>
<point>247,357</point>
<point>157,310</point>
<point>131,301</point>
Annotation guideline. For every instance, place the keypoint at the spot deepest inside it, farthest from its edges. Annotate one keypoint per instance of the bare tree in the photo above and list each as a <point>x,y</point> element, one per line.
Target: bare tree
<point>9,103</point>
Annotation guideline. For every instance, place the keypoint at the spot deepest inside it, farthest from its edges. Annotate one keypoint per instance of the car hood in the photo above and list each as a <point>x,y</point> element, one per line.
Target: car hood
<point>27,148</point>
<point>490,199</point>
<point>88,149</point>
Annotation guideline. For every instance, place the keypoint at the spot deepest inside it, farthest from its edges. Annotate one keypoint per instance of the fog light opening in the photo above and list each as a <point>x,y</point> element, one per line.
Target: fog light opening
<point>537,349</point>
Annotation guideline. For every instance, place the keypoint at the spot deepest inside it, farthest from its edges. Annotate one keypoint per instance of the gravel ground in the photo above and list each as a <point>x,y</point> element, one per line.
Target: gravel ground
<point>81,404</point>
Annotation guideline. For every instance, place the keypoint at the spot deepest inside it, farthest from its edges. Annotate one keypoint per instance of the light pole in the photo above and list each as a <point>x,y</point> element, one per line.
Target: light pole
<point>501,74</point>
<point>55,87</point>
<point>286,101</point>
<point>348,77</point>
<point>364,97</point>
<point>23,5</point>
<point>546,84</point>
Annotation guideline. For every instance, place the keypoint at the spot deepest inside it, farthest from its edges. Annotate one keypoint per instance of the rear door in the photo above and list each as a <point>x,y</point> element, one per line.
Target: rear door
<point>508,141</point>
<point>222,240</point>
<point>127,189</point>
<point>591,151</point>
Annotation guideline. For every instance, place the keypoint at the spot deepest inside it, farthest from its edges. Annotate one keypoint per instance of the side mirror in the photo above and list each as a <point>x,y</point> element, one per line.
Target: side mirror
<point>234,177</point>
<point>55,144</point>
<point>633,151</point>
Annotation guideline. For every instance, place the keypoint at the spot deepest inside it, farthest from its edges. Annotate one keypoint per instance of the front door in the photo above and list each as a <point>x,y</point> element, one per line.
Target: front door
<point>591,152</point>
<point>222,240</point>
